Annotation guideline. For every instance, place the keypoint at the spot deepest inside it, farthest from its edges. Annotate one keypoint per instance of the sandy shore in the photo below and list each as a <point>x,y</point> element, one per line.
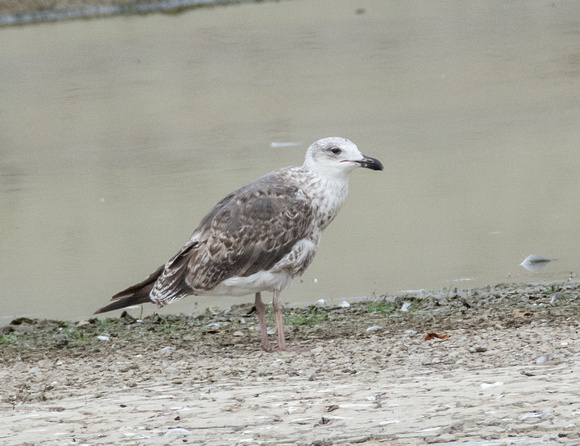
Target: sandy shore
<point>502,369</point>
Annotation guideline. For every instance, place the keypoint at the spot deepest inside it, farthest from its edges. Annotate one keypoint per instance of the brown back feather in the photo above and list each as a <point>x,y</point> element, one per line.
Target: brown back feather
<point>250,230</point>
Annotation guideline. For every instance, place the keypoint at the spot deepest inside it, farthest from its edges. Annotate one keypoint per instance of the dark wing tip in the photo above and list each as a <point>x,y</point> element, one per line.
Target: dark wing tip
<point>134,295</point>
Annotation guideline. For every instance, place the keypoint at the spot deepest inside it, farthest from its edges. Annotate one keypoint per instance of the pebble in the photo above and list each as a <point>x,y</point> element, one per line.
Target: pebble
<point>535,414</point>
<point>386,422</point>
<point>103,338</point>
<point>374,328</point>
<point>478,349</point>
<point>406,306</point>
<point>489,385</point>
<point>214,327</point>
<point>544,358</point>
<point>376,396</point>
<point>178,431</point>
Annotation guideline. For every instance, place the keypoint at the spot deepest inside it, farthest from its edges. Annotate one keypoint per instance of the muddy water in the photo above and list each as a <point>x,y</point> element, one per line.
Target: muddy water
<point>118,135</point>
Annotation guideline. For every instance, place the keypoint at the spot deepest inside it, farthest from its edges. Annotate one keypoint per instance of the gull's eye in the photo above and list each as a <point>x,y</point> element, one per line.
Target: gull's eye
<point>336,150</point>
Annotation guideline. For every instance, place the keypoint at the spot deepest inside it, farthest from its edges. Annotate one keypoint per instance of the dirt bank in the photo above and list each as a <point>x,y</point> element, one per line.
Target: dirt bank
<point>494,363</point>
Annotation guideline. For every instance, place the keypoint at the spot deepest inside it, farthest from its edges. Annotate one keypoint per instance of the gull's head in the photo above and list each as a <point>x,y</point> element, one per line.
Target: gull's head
<point>337,157</point>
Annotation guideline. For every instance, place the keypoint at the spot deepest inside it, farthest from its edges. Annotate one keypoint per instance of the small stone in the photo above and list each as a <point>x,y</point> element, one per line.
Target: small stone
<point>490,385</point>
<point>544,358</point>
<point>214,327</point>
<point>478,349</point>
<point>525,416</point>
<point>446,438</point>
<point>177,432</point>
<point>376,396</point>
<point>374,328</point>
<point>127,319</point>
<point>387,422</point>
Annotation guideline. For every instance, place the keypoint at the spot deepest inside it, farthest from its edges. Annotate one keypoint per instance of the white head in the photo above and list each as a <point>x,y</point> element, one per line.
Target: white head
<point>337,157</point>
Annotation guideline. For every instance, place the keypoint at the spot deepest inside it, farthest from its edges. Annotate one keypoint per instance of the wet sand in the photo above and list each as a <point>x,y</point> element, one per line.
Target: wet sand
<point>492,366</point>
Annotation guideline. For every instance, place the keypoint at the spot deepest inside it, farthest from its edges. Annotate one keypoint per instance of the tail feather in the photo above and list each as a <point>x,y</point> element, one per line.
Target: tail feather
<point>134,295</point>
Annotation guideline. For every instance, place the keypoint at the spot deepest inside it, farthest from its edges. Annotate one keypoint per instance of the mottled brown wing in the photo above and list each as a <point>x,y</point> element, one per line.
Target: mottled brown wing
<point>249,230</point>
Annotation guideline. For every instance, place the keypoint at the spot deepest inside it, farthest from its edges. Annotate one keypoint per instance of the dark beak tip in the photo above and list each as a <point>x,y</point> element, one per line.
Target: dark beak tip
<point>378,166</point>
<point>372,163</point>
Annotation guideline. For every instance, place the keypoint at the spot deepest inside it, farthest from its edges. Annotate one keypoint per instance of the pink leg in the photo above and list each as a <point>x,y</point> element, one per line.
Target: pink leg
<point>280,326</point>
<point>279,321</point>
<point>261,310</point>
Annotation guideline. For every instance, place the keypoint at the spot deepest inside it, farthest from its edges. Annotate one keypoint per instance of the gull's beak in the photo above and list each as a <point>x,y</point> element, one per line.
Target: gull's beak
<point>370,163</point>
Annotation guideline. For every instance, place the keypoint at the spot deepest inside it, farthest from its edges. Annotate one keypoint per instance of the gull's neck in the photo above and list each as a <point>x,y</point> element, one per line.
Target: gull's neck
<point>327,194</point>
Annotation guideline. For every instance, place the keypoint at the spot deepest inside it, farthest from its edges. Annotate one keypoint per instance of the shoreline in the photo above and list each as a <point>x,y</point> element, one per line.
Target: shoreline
<point>412,307</point>
<point>36,11</point>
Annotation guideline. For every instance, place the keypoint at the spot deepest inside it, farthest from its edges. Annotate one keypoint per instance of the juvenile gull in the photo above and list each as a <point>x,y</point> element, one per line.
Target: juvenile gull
<point>259,237</point>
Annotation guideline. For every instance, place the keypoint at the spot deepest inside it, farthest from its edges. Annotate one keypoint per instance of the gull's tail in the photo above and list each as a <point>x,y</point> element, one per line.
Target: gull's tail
<point>134,295</point>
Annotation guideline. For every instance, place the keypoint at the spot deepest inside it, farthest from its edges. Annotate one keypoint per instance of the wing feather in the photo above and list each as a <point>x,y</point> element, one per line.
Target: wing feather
<point>250,230</point>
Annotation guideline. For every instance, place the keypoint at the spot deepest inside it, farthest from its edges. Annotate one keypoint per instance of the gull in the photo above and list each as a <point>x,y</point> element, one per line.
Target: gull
<point>259,237</point>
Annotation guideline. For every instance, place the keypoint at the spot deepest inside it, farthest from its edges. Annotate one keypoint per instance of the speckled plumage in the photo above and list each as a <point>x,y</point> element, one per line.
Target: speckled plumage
<point>259,237</point>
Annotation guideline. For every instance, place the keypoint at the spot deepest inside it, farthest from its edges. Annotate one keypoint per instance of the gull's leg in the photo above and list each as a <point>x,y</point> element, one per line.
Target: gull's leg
<point>279,321</point>
<point>280,326</point>
<point>261,310</point>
